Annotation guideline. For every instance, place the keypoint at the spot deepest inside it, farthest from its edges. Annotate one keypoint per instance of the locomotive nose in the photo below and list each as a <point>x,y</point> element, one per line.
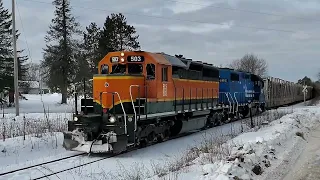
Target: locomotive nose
<point>112,90</point>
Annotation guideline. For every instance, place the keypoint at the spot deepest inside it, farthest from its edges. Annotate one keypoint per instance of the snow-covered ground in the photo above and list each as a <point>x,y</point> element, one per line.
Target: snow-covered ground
<point>36,104</point>
<point>307,165</point>
<point>268,153</point>
<point>34,149</point>
<point>38,114</point>
<point>216,153</point>
<point>173,155</point>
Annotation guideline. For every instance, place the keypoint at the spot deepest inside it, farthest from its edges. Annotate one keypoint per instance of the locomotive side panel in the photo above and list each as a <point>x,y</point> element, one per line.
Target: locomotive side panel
<point>194,95</point>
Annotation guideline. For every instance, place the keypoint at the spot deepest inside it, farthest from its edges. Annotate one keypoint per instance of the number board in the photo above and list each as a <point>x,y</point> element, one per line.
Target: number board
<point>135,58</point>
<point>114,59</point>
<point>223,80</point>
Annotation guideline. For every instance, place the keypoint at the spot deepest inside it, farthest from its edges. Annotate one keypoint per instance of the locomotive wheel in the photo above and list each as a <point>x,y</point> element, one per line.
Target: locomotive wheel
<point>224,117</point>
<point>143,143</point>
<point>218,119</point>
<point>151,138</point>
<point>228,117</point>
<point>245,112</point>
<point>160,138</point>
<point>166,135</point>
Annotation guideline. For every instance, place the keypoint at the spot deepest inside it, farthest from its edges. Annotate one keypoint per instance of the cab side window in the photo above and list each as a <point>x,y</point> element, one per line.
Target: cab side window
<point>151,71</point>
<point>164,74</point>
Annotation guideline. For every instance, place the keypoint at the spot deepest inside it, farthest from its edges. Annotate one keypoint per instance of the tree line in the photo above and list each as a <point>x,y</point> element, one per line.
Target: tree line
<point>7,53</point>
<point>72,54</point>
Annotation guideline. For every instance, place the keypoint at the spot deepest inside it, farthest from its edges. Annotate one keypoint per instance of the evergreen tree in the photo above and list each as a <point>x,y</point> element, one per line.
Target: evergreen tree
<point>91,46</point>
<point>22,66</point>
<point>305,81</point>
<point>59,55</point>
<point>6,51</point>
<point>83,68</point>
<point>117,35</point>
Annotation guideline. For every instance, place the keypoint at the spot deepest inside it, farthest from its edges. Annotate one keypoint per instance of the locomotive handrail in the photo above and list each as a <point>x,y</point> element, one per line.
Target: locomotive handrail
<point>124,112</point>
<point>228,100</point>
<point>134,109</point>
<point>232,102</point>
<point>234,94</point>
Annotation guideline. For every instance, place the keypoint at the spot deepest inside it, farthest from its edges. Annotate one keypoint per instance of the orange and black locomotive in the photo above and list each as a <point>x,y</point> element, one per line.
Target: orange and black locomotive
<point>140,98</point>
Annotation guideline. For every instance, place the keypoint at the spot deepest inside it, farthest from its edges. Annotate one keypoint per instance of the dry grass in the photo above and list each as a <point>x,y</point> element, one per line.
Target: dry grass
<point>14,127</point>
<point>266,117</point>
<point>37,125</point>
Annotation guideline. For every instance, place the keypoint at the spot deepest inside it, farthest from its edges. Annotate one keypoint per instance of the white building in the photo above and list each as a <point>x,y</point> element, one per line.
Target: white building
<point>33,87</point>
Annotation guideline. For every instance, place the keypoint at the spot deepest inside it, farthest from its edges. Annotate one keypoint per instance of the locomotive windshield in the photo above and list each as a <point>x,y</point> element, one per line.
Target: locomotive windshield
<point>132,69</point>
<point>118,69</point>
<point>135,68</point>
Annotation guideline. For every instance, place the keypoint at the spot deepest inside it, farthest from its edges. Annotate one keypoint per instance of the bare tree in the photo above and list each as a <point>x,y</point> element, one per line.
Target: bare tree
<point>33,73</point>
<point>250,63</point>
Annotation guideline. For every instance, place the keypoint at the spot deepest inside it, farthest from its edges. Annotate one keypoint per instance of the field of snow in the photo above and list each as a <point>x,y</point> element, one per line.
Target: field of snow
<point>36,104</point>
<point>38,114</point>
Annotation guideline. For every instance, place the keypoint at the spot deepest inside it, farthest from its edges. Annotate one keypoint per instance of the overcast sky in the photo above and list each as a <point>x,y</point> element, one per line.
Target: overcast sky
<point>288,40</point>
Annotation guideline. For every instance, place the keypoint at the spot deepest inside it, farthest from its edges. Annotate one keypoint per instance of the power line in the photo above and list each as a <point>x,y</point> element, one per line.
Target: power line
<point>242,10</point>
<point>25,37</point>
<point>168,18</point>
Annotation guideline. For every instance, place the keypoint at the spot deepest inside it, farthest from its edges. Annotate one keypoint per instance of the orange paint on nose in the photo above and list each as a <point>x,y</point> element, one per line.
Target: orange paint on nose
<point>111,89</point>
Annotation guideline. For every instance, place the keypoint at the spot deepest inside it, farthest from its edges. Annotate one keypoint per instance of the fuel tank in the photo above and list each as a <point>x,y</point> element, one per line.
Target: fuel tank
<point>186,125</point>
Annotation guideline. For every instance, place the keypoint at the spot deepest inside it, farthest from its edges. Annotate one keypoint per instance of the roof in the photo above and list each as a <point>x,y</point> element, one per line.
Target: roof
<point>35,84</point>
<point>173,60</point>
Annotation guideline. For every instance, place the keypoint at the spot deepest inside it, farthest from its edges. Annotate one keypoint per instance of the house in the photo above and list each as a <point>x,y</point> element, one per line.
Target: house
<point>33,87</point>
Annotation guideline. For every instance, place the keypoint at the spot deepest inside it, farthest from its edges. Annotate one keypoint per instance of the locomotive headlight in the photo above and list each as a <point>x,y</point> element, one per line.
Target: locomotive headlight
<point>122,59</point>
<point>122,54</point>
<point>75,118</point>
<point>112,119</point>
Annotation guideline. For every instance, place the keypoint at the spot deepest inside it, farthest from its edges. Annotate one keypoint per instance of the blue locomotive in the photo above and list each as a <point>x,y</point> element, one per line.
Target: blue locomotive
<point>239,90</point>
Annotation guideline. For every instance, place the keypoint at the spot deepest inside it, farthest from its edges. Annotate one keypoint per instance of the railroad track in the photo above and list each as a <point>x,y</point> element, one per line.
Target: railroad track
<point>68,169</point>
<point>40,164</point>
<point>109,156</point>
<point>68,157</point>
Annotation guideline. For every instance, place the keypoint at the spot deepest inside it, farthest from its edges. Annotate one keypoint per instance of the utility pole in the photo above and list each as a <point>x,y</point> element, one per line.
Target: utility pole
<point>16,89</point>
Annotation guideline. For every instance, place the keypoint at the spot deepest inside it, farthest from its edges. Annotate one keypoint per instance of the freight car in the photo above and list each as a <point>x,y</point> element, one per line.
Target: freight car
<point>280,92</point>
<point>140,98</point>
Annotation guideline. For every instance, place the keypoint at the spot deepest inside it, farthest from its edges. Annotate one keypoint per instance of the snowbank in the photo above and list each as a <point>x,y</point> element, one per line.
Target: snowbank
<point>251,155</point>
